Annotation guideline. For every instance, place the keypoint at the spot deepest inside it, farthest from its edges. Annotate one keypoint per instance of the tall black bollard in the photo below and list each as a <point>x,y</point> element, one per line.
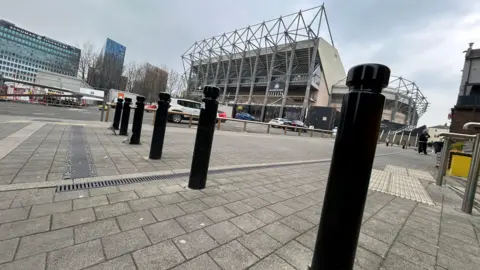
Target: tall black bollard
<point>125,117</point>
<point>137,120</point>
<point>204,139</point>
<point>350,169</point>
<point>159,126</point>
<point>118,114</point>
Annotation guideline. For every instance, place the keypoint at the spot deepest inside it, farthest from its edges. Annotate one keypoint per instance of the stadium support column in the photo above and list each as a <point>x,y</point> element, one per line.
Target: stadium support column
<point>219,60</point>
<point>205,81</point>
<point>409,113</point>
<point>311,67</point>
<point>287,81</point>
<point>239,79</point>
<point>226,79</point>
<point>394,109</point>
<point>269,81</point>
<point>254,75</point>
<point>197,78</point>
<point>189,81</point>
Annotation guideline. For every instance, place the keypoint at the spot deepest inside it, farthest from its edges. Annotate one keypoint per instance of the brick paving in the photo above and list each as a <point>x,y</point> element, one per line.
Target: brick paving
<point>246,219</point>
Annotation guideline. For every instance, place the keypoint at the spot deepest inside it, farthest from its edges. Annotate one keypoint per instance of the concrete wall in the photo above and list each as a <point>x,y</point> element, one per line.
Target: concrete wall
<point>333,70</point>
<point>60,81</point>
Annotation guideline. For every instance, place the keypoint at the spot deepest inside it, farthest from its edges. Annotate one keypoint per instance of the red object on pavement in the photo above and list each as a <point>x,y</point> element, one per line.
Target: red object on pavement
<point>222,114</point>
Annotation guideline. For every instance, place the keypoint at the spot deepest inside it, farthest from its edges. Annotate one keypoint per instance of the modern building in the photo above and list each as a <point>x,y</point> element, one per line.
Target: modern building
<point>151,81</point>
<point>23,54</point>
<point>468,101</point>
<point>108,70</point>
<point>277,68</point>
<point>404,104</point>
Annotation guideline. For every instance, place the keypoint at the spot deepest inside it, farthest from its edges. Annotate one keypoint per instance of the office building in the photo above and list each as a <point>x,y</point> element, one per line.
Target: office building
<point>108,70</point>
<point>24,53</point>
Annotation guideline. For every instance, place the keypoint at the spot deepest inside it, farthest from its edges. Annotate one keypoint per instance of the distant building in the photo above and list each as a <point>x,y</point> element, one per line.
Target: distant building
<point>468,102</point>
<point>152,81</point>
<point>24,53</point>
<point>435,131</point>
<point>108,70</point>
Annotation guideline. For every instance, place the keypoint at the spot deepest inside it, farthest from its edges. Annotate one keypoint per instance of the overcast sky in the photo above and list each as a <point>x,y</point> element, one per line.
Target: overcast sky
<point>421,40</point>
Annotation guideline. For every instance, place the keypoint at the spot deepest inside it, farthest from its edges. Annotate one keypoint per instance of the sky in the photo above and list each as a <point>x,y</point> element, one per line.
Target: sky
<point>422,41</point>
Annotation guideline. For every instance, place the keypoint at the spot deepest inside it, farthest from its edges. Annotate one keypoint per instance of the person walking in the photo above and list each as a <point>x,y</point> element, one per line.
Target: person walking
<point>422,142</point>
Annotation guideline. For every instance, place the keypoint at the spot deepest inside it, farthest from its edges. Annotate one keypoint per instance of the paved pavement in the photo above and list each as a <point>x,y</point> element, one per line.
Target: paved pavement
<point>255,219</point>
<point>263,218</point>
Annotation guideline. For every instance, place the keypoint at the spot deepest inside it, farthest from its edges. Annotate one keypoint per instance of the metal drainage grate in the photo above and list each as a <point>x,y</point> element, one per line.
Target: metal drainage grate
<point>79,161</point>
<point>115,182</point>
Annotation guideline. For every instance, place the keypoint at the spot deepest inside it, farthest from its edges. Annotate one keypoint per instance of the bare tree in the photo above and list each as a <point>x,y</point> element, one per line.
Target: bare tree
<point>88,59</point>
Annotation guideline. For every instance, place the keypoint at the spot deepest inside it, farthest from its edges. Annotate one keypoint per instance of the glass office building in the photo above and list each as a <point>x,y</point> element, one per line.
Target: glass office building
<point>23,53</point>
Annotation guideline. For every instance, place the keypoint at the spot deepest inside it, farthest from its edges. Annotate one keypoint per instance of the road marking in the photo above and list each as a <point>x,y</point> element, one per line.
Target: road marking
<point>9,143</point>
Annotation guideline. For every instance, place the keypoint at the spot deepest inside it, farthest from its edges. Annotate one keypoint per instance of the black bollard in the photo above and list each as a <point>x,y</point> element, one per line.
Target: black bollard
<point>159,126</point>
<point>118,114</point>
<point>137,120</point>
<point>204,139</point>
<point>350,169</point>
<point>125,117</point>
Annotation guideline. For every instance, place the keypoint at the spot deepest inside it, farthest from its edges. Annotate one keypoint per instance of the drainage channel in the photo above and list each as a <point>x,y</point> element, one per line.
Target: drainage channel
<point>124,181</point>
<point>79,161</point>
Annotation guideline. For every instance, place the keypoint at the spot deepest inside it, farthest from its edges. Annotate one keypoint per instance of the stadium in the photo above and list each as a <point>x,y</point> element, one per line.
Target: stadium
<point>285,68</point>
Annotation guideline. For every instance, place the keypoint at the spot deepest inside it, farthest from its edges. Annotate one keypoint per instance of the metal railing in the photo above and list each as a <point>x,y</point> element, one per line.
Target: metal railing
<point>472,179</point>
<point>445,154</point>
<point>299,130</point>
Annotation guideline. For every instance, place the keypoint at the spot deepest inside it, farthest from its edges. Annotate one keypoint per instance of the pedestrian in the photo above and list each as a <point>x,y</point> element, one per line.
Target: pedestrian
<point>422,142</point>
<point>387,141</point>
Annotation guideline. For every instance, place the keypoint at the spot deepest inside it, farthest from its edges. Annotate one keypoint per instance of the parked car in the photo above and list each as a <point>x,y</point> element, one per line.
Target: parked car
<point>245,116</point>
<point>181,109</point>
<point>151,108</point>
<point>298,123</point>
<point>278,122</point>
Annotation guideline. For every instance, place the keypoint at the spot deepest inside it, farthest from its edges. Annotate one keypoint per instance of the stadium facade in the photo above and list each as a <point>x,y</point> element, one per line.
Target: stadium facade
<point>282,68</point>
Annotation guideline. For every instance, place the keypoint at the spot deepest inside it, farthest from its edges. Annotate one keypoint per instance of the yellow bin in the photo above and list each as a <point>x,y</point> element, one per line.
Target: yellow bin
<point>460,164</point>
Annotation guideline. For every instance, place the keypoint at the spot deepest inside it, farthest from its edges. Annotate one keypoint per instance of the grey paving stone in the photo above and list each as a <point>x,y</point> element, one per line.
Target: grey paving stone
<point>67,219</point>
<point>24,227</point>
<point>256,202</point>
<point>124,262</point>
<point>14,214</point>
<point>281,209</point>
<point>135,220</point>
<point>224,232</point>
<point>417,244</point>
<point>103,191</point>
<point>367,259</point>
<point>124,242</point>
<point>112,210</point>
<point>232,196</point>
<point>90,202</point>
<point>381,230</point>
<point>170,199</point>
<point>214,201</point>
<point>167,212</point>
<point>194,221</point>
<point>45,242</point>
<point>194,243</point>
<point>372,244</point>
<point>296,254</point>
<point>247,222</point>
<point>429,237</point>
<point>309,216</point>
<point>396,262</point>
<point>148,192</point>
<point>159,256</point>
<point>7,249</point>
<point>50,208</point>
<point>298,224</point>
<point>239,207</point>
<point>192,206</point>
<point>129,187</point>
<point>172,189</point>
<point>266,215</point>
<point>260,243</point>
<point>272,262</point>
<point>269,197</point>
<point>413,255</point>
<point>308,239</point>
<point>218,213</point>
<point>233,256</point>
<point>70,195</point>
<point>76,257</point>
<point>280,232</point>
<point>95,230</point>
<point>164,230</point>
<point>192,194</point>
<point>33,196</point>
<point>202,262</point>
<point>30,263</point>
<point>143,204</point>
<point>122,196</point>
